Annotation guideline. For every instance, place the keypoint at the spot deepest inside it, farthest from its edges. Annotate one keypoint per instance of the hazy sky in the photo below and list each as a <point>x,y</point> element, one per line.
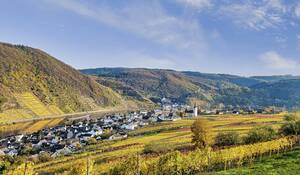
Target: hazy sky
<point>245,37</point>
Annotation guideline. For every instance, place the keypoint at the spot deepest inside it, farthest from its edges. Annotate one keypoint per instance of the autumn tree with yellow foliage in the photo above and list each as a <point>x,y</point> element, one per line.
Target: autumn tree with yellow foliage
<point>202,135</point>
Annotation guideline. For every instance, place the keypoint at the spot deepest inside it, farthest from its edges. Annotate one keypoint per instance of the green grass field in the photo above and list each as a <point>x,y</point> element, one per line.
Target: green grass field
<point>282,164</point>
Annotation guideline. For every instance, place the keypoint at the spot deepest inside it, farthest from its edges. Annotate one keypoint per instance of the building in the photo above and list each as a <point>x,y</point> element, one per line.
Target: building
<point>195,111</point>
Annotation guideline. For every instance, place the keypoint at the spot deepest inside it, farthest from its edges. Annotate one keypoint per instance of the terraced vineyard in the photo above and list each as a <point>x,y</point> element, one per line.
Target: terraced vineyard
<point>31,102</point>
<point>172,135</point>
<point>28,127</point>
<point>31,106</point>
<point>14,114</point>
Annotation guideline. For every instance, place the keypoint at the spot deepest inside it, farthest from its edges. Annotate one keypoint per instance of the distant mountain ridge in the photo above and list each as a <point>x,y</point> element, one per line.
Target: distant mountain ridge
<point>205,89</point>
<point>33,84</point>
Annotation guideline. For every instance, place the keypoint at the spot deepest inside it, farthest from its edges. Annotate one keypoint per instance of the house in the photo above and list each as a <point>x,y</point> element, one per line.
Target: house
<point>189,113</point>
<point>19,138</point>
<point>64,151</point>
<point>65,139</point>
<point>144,112</point>
<point>70,134</point>
<point>117,137</point>
<point>130,126</point>
<point>236,112</point>
<point>157,112</point>
<point>12,152</point>
<point>143,123</point>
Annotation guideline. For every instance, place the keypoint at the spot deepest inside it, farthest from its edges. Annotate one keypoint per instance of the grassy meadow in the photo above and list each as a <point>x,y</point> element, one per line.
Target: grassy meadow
<point>167,136</point>
<point>285,163</point>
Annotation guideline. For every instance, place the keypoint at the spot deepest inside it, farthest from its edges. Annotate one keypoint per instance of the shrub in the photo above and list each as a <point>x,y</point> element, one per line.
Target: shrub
<point>202,134</point>
<point>91,141</point>
<point>290,117</point>
<point>227,139</point>
<point>260,134</point>
<point>171,163</point>
<point>291,127</point>
<point>131,166</point>
<point>82,167</point>
<point>44,157</point>
<point>27,150</point>
<point>158,148</point>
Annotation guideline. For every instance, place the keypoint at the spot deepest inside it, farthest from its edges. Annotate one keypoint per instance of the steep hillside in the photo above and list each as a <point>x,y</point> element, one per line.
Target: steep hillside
<point>238,80</point>
<point>177,86</point>
<point>31,77</point>
<point>279,93</point>
<point>201,88</point>
<point>148,83</point>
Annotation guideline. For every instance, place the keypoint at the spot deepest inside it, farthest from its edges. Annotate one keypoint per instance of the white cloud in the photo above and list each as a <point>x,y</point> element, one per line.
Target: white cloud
<point>256,15</point>
<point>197,4</point>
<point>297,10</point>
<point>146,19</point>
<point>275,61</point>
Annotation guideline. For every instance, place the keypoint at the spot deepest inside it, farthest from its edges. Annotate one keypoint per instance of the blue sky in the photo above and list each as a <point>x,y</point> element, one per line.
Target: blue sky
<point>244,37</point>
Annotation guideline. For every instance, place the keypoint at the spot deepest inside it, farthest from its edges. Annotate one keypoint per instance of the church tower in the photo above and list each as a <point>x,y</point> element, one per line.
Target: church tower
<point>195,111</point>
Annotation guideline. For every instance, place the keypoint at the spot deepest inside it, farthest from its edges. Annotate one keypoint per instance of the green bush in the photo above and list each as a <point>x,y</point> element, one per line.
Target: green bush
<point>158,148</point>
<point>44,157</point>
<point>91,141</point>
<point>227,139</point>
<point>290,117</point>
<point>291,125</point>
<point>260,134</point>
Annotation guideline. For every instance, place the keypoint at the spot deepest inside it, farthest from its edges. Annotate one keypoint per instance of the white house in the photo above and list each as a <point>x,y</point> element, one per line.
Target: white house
<point>130,126</point>
<point>19,137</point>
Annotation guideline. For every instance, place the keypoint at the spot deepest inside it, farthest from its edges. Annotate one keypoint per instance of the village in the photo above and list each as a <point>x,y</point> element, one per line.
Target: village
<point>85,130</point>
<point>77,132</point>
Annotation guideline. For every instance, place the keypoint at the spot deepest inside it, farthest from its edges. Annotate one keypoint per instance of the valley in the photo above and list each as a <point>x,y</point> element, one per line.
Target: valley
<point>159,87</point>
<point>55,119</point>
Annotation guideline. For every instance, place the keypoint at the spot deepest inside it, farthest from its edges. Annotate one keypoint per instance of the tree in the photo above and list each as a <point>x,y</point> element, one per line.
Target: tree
<point>227,139</point>
<point>202,134</point>
<point>291,125</point>
<point>260,134</point>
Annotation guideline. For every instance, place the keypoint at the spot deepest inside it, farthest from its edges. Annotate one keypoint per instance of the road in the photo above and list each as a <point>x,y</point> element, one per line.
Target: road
<point>97,113</point>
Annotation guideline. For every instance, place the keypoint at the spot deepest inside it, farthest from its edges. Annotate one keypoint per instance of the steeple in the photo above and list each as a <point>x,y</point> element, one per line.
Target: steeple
<point>195,110</point>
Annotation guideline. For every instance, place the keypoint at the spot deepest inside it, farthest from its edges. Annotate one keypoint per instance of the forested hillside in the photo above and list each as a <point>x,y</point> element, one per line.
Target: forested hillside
<point>201,88</point>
